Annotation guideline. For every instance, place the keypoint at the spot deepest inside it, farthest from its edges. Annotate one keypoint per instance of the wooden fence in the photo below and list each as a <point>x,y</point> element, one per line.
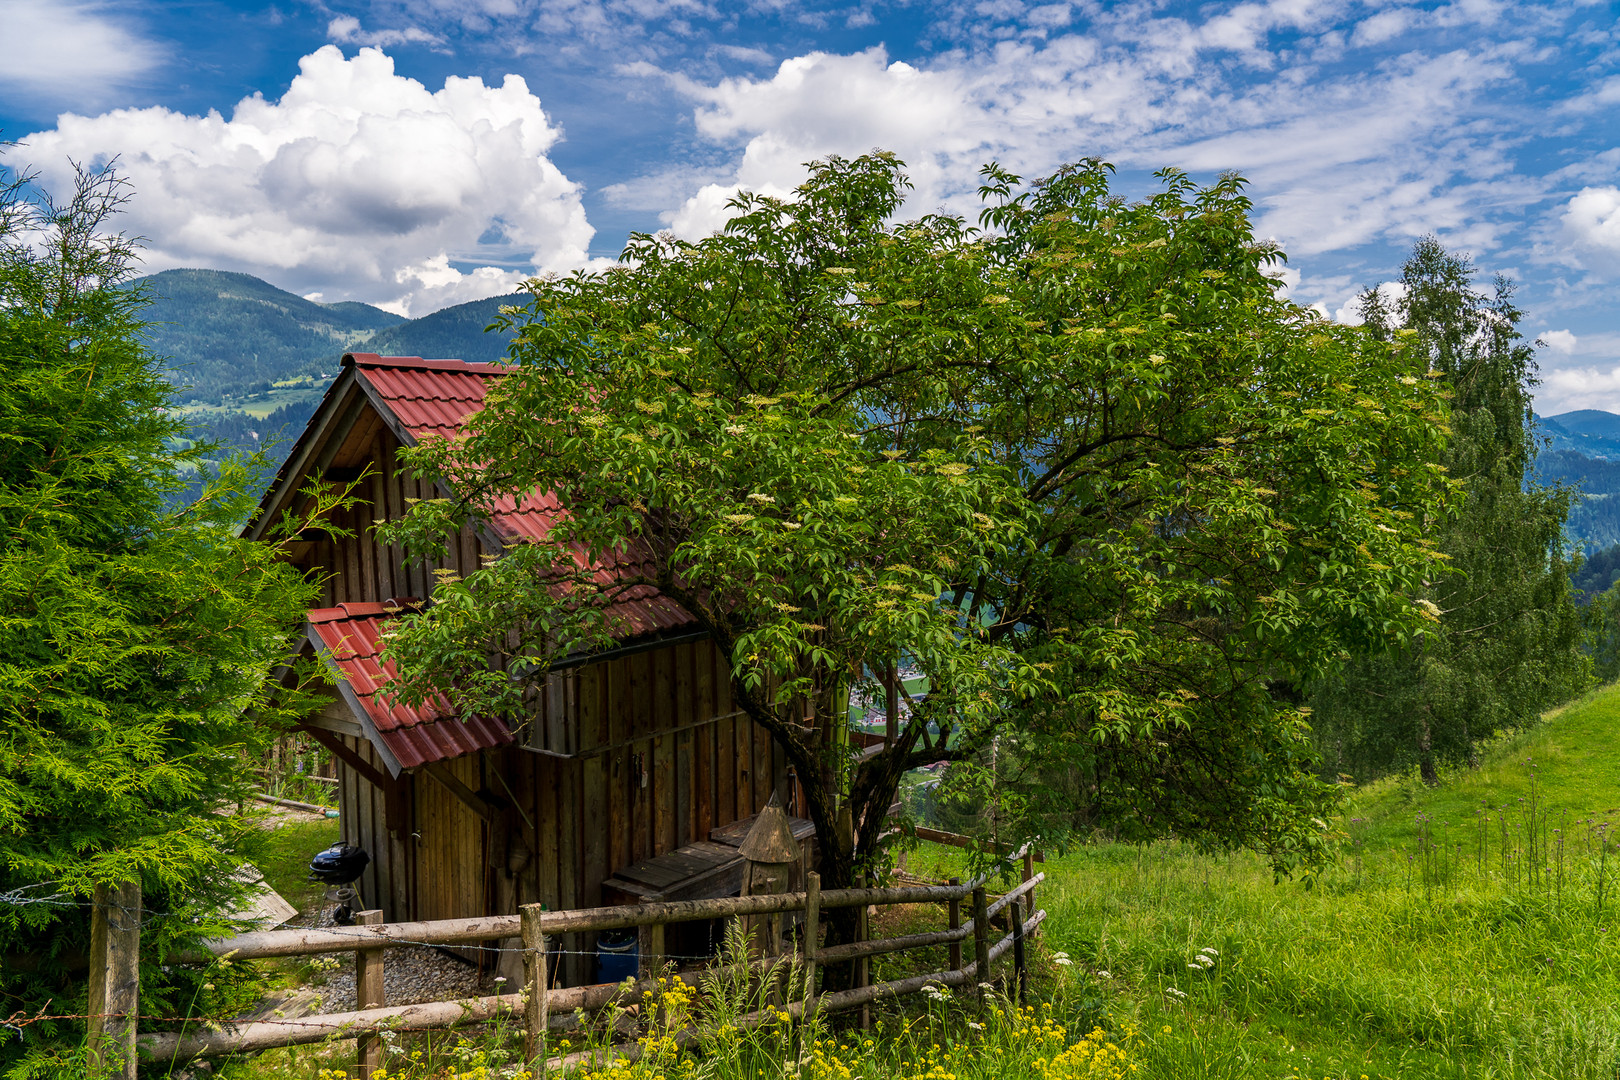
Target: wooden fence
<point>541,1007</point>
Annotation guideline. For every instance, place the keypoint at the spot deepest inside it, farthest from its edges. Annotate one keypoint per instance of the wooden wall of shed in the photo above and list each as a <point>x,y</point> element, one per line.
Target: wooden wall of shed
<point>659,756</point>
<point>452,846</point>
<point>358,567</point>
<point>627,758</point>
<point>362,819</point>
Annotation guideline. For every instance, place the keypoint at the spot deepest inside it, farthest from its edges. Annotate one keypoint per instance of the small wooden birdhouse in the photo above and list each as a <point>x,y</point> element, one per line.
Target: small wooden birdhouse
<point>771,859</point>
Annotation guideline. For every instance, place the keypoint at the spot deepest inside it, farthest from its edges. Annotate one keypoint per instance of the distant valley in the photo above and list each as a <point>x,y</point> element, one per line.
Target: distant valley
<point>1582,449</point>
<point>251,360</point>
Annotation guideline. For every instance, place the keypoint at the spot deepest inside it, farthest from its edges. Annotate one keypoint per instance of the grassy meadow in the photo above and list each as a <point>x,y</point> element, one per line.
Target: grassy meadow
<point>1470,931</point>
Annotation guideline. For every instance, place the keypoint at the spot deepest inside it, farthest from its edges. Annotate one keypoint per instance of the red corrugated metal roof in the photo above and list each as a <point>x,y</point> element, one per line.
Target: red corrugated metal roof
<point>435,397</point>
<point>352,636</point>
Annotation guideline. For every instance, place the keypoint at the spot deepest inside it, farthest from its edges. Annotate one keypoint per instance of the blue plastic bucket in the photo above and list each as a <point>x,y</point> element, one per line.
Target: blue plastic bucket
<point>617,958</point>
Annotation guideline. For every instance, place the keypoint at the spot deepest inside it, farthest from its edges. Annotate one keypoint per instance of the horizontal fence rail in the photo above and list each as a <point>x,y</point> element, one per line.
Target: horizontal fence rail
<point>265,944</point>
<point>540,1009</point>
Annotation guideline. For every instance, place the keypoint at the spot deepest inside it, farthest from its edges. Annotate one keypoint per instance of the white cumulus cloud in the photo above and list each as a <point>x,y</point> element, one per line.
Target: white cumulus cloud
<point>1591,224</point>
<point>1559,341</point>
<point>1375,152</point>
<point>358,183</point>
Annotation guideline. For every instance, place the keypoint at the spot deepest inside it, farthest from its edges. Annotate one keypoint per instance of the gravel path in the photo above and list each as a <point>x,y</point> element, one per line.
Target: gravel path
<point>411,974</point>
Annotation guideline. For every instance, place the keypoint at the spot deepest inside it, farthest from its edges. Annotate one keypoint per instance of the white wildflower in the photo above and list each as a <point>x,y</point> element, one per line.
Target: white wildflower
<point>1175,993</point>
<point>1105,974</point>
<point>975,1027</point>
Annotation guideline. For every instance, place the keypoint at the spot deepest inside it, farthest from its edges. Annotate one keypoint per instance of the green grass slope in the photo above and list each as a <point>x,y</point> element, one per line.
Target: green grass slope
<point>1570,764</point>
<point>1466,933</point>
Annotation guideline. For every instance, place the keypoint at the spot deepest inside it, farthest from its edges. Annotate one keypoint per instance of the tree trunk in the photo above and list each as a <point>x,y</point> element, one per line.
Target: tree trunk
<point>1426,769</point>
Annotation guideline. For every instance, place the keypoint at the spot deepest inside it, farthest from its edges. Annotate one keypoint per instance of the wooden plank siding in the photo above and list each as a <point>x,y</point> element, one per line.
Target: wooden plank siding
<point>623,759</point>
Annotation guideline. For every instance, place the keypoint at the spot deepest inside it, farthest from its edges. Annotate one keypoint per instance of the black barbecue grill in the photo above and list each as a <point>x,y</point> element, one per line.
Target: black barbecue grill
<point>339,867</point>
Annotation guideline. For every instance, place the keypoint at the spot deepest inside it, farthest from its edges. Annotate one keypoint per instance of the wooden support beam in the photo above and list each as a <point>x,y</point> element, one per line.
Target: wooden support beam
<point>470,798</point>
<point>115,980</point>
<point>368,772</point>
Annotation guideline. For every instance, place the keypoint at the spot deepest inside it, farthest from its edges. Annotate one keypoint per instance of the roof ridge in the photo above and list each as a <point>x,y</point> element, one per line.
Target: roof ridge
<point>469,367</point>
<point>362,609</point>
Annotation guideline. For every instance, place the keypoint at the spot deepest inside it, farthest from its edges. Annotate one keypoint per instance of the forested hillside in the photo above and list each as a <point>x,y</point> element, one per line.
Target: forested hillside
<point>231,335</point>
<point>251,360</point>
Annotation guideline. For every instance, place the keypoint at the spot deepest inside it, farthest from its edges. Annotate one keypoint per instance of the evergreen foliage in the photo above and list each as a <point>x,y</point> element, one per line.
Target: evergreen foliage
<point>1507,644</point>
<point>1086,470</point>
<point>133,637</point>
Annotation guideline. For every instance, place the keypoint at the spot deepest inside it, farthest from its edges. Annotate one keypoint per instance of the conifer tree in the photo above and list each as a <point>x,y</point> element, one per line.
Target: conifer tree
<point>134,635</point>
<point>1506,641</point>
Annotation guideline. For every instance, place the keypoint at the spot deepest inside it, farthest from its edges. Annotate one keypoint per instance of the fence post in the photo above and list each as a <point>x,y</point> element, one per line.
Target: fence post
<point>954,908</point>
<point>115,980</point>
<point>812,935</point>
<point>1029,872</point>
<point>863,966</point>
<point>811,944</point>
<point>650,946</point>
<point>981,941</point>
<point>1020,971</point>
<point>536,1015</point>
<point>368,992</point>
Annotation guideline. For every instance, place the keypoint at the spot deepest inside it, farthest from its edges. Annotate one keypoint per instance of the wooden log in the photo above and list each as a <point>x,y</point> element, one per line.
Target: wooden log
<point>838,954</point>
<point>1011,897</point>
<point>269,1034</point>
<point>954,907</point>
<point>981,940</point>
<point>266,1035</point>
<point>839,1001</point>
<point>368,992</point>
<point>535,1015</point>
<point>115,980</point>
<point>309,942</point>
<point>291,804</point>
<point>652,951</point>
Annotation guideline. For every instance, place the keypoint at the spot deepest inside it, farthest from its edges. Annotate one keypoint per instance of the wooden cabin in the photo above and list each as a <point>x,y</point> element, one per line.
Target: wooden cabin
<point>621,786</point>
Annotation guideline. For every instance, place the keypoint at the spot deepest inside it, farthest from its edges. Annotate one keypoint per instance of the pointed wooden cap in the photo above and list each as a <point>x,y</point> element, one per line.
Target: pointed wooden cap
<point>771,838</point>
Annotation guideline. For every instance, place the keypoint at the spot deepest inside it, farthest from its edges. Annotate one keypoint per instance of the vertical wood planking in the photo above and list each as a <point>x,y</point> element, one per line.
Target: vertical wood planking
<point>703,798</point>
<point>685,768</point>
<point>570,858</point>
<point>663,750</point>
<point>548,827</point>
<point>617,765</point>
<point>362,513</point>
<point>725,758</point>
<point>764,766</point>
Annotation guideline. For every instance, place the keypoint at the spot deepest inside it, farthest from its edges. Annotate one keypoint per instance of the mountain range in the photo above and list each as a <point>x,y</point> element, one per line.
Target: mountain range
<point>251,361</point>
<point>232,336</point>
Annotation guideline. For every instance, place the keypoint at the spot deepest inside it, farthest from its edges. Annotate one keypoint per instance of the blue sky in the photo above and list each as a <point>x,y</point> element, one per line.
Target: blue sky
<point>416,153</point>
